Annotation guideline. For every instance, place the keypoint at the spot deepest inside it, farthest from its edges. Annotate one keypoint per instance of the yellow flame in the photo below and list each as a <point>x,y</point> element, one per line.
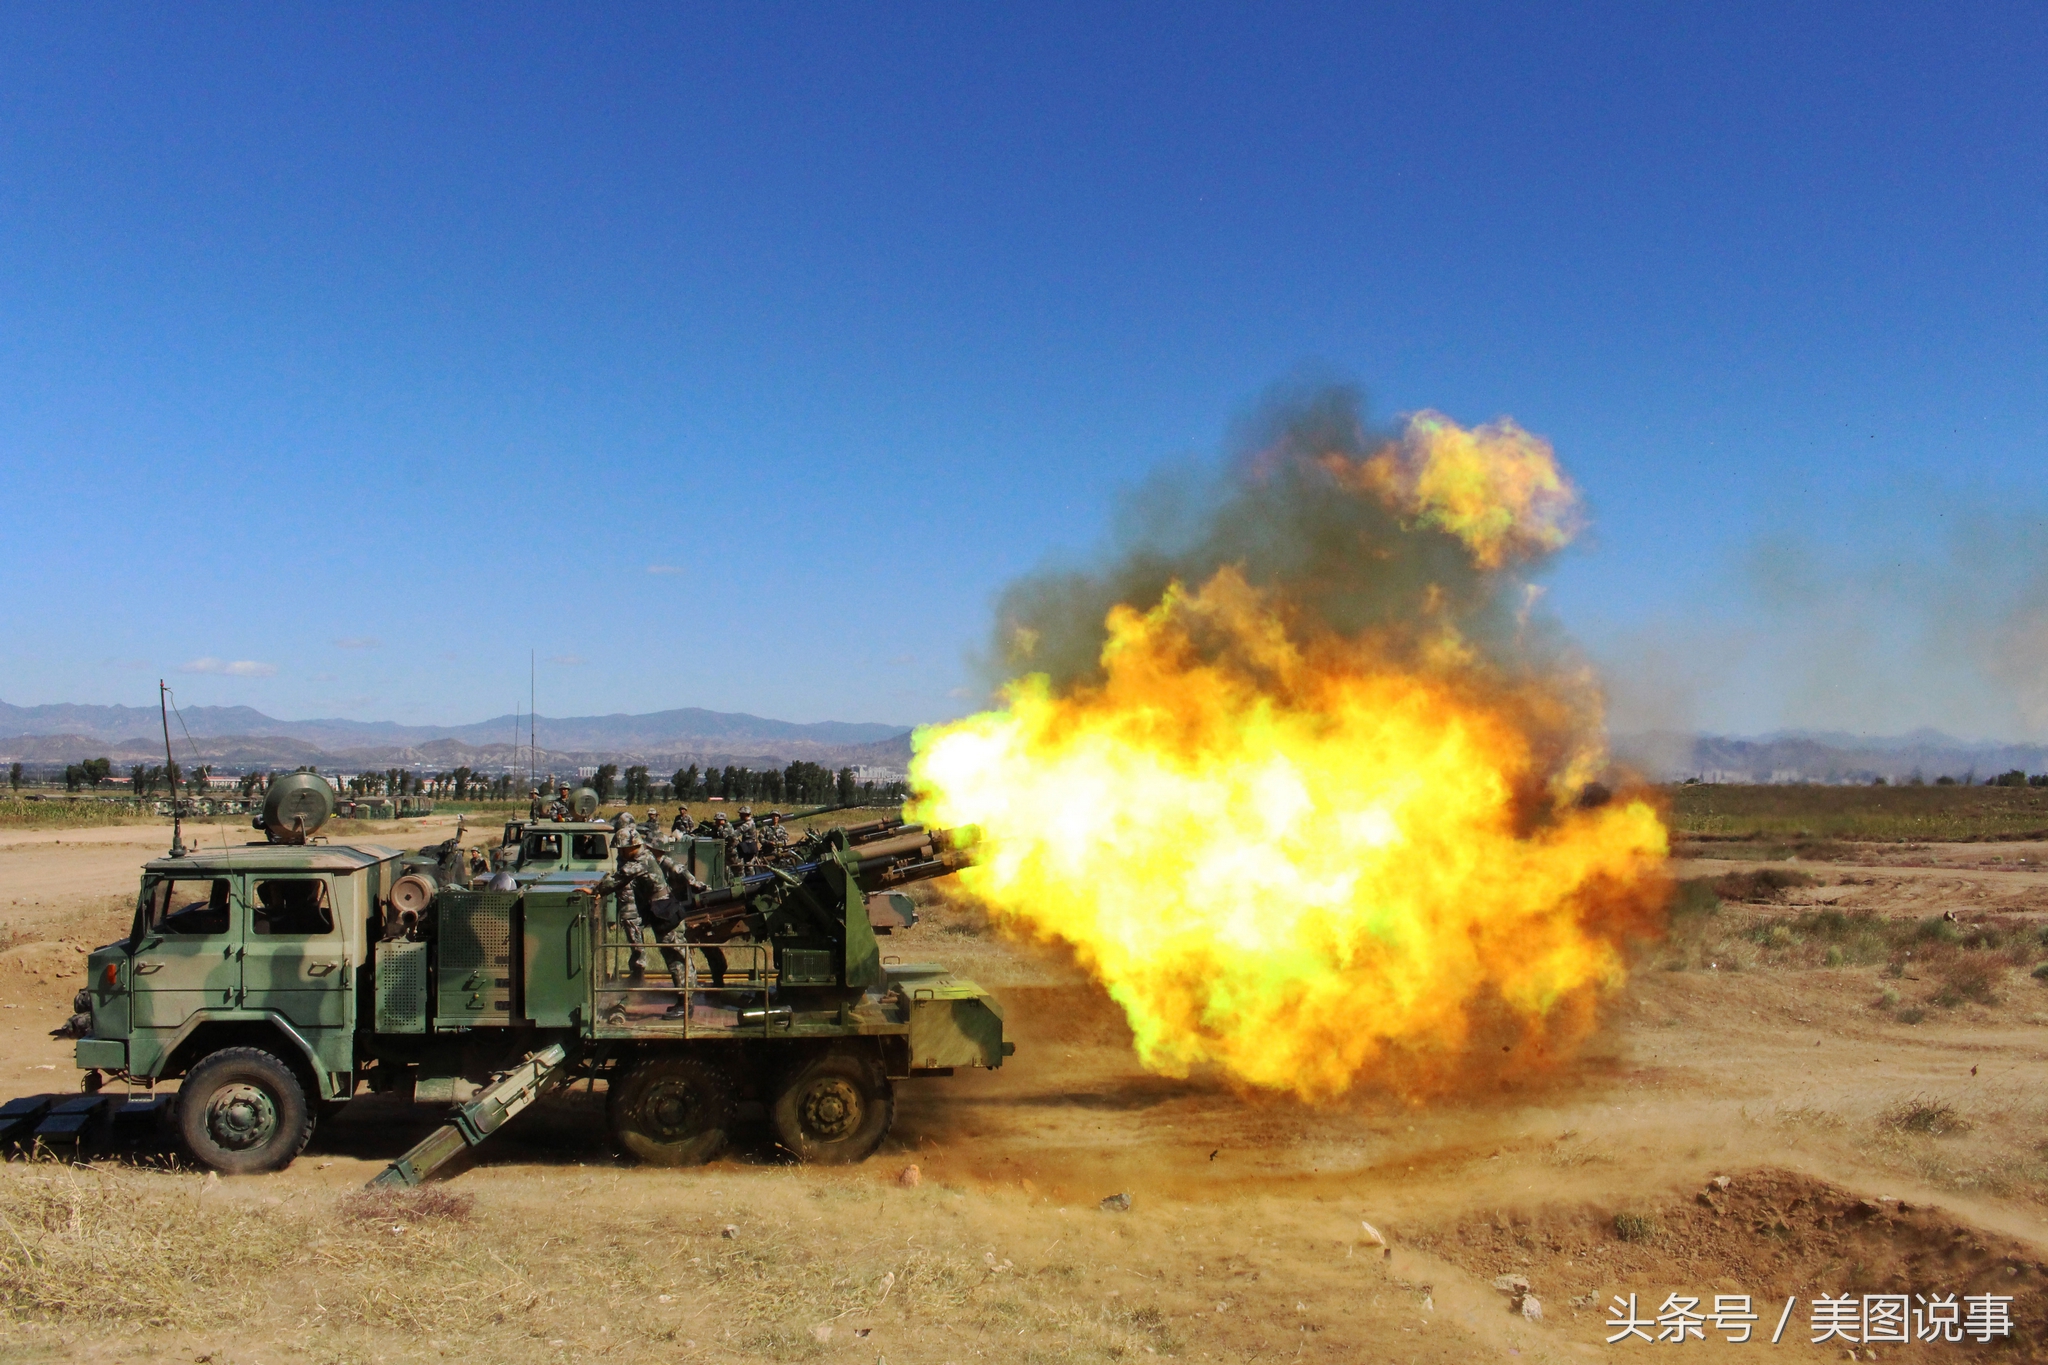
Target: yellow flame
<point>1306,858</point>
<point>1496,487</point>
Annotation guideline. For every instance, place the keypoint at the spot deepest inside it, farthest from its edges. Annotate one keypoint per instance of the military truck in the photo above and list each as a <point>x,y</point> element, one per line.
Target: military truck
<point>277,980</point>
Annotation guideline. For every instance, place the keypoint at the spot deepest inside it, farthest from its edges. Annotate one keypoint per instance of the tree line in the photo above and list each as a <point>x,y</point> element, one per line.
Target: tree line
<point>798,784</point>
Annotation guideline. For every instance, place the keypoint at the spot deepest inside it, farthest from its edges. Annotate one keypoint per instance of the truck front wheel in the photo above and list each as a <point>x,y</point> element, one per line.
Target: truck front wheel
<point>671,1111</point>
<point>242,1112</point>
<point>834,1109</point>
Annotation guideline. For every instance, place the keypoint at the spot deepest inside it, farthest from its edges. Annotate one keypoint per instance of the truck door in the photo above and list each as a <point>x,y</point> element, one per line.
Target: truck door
<point>295,960</point>
<point>185,961</point>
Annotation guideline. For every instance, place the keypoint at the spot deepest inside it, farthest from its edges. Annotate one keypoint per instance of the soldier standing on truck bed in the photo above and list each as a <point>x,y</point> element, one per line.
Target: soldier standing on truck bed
<point>536,808</point>
<point>774,836</point>
<point>681,826</point>
<point>561,808</point>
<point>641,879</point>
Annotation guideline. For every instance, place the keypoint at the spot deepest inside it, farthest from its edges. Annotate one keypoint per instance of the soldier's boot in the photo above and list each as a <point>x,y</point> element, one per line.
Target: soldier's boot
<point>681,1008</point>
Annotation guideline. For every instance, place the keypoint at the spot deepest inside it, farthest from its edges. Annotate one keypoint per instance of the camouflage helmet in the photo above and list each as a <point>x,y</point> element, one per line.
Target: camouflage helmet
<point>746,810</point>
<point>631,838</point>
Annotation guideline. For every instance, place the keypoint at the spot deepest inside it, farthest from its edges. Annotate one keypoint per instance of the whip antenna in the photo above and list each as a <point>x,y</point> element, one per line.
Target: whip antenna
<point>163,706</point>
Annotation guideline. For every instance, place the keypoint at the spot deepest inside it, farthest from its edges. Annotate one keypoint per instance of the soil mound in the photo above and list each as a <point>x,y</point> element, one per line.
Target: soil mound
<point>1769,1234</point>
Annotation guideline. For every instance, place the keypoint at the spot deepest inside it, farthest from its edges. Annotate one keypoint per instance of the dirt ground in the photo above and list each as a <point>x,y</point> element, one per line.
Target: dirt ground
<point>1861,1155</point>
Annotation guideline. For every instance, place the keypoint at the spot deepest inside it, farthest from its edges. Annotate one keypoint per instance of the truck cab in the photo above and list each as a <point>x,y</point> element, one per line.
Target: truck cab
<point>547,846</point>
<point>259,948</point>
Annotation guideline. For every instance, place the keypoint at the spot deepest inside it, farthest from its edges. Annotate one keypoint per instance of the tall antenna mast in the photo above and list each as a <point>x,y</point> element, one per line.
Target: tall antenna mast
<point>163,706</point>
<point>532,691</point>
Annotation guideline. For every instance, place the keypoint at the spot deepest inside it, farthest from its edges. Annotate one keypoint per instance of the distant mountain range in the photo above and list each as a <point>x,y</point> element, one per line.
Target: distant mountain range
<point>241,737</point>
<point>1824,756</point>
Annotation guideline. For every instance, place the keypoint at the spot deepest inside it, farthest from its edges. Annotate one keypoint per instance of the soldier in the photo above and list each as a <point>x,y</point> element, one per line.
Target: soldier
<point>774,836</point>
<point>561,808</point>
<point>745,841</point>
<point>536,808</point>
<point>681,825</point>
<point>622,825</point>
<point>640,880</point>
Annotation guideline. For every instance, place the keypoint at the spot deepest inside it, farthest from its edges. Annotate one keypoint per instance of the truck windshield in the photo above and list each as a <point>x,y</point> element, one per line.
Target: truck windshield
<point>189,906</point>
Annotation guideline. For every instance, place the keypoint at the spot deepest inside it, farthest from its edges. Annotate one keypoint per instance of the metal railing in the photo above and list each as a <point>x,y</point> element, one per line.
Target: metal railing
<point>736,1002</point>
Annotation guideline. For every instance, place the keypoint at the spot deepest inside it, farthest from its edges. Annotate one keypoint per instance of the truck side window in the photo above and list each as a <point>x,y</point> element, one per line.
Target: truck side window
<point>189,906</point>
<point>297,906</point>
<point>592,846</point>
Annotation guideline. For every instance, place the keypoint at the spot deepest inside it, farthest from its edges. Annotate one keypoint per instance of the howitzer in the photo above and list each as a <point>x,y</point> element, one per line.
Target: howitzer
<point>871,867</point>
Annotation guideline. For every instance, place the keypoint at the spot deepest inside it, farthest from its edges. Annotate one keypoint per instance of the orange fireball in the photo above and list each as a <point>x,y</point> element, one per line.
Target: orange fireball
<point>1293,853</point>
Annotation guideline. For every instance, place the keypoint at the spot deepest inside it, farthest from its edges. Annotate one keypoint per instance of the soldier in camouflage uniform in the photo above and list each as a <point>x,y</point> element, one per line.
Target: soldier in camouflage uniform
<point>561,808</point>
<point>743,851</point>
<point>774,836</point>
<point>642,878</point>
<point>537,808</point>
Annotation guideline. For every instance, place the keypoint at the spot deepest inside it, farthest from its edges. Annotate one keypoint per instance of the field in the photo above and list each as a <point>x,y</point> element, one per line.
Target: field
<point>1858,1044</point>
<point>1789,815</point>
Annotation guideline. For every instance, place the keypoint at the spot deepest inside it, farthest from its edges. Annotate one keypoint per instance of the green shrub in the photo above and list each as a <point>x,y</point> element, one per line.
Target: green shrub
<point>1636,1227</point>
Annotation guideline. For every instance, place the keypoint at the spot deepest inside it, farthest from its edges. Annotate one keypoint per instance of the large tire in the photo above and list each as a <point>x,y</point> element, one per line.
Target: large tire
<point>241,1111</point>
<point>671,1111</point>
<point>834,1109</point>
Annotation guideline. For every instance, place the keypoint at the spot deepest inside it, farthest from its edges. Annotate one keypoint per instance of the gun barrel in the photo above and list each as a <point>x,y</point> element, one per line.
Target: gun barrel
<point>877,829</point>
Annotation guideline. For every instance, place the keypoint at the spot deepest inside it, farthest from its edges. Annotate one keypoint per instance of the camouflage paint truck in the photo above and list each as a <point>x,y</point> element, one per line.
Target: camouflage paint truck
<point>276,980</point>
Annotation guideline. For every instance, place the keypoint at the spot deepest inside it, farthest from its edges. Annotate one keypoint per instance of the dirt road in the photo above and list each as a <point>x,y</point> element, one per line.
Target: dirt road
<point>1246,1236</point>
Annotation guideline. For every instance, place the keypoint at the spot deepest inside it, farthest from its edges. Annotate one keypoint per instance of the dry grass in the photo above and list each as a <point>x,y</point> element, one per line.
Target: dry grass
<point>113,1250</point>
<point>1920,1114</point>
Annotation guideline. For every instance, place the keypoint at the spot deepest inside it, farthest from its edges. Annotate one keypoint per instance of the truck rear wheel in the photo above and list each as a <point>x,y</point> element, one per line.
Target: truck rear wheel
<point>834,1109</point>
<point>241,1111</point>
<point>671,1111</point>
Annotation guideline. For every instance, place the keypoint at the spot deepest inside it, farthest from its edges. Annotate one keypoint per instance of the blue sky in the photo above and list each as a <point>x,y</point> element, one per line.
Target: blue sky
<point>371,347</point>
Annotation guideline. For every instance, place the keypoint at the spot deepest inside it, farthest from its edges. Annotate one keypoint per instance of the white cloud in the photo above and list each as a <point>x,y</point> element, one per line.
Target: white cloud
<point>233,668</point>
<point>570,659</point>
<point>666,568</point>
<point>359,642</point>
